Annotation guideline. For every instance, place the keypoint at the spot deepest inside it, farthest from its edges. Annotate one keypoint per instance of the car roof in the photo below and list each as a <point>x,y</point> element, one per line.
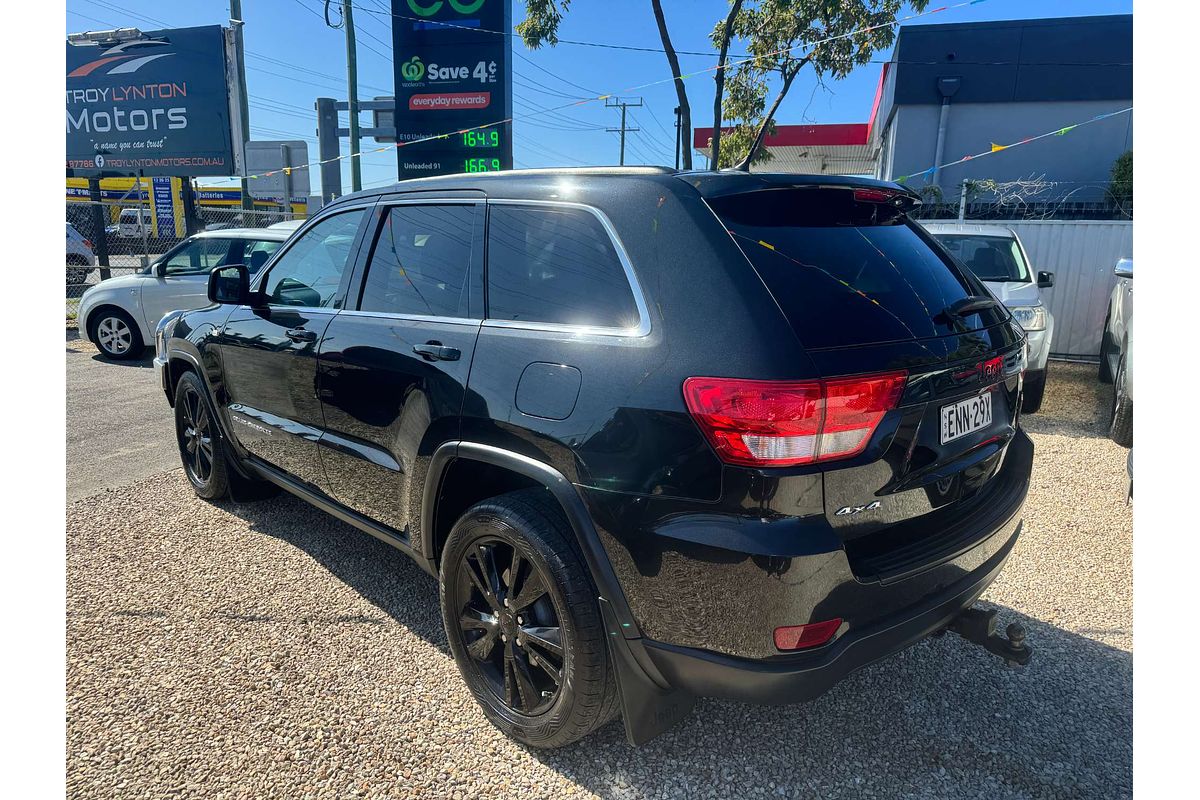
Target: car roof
<point>268,234</point>
<point>522,182</point>
<point>287,225</point>
<point>969,228</point>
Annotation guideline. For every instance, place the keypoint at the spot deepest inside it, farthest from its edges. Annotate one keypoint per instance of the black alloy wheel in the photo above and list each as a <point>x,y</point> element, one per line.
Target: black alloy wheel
<point>194,428</point>
<point>522,620</point>
<point>509,625</point>
<point>200,445</point>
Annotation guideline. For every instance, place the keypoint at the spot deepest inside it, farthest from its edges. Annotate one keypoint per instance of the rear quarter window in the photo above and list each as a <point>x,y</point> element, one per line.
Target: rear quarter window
<point>847,272</point>
<point>555,265</point>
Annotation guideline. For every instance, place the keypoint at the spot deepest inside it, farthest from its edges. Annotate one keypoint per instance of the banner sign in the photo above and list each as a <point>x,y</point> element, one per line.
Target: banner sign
<point>453,71</point>
<point>158,104</point>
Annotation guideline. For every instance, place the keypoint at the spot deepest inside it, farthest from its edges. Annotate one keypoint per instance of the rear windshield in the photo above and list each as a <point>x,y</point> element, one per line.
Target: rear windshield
<point>847,272</point>
<point>991,258</point>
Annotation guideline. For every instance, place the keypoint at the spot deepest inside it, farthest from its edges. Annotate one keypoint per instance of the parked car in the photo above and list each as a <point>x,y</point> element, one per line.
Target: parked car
<point>995,255</point>
<point>118,315</point>
<point>1116,354</point>
<point>80,258</point>
<point>657,434</point>
<point>133,222</point>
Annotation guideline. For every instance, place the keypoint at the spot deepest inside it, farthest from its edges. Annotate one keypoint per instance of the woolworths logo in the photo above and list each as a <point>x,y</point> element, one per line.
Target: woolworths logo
<point>429,9</point>
<point>413,69</point>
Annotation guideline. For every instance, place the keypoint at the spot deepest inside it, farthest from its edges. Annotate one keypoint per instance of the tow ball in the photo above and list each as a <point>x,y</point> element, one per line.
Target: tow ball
<point>978,625</point>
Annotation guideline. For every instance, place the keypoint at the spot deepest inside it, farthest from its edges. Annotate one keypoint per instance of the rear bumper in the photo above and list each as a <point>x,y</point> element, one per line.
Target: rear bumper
<point>797,678</point>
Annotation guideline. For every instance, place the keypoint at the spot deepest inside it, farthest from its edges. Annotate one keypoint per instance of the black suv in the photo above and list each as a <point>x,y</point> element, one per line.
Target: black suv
<point>657,434</point>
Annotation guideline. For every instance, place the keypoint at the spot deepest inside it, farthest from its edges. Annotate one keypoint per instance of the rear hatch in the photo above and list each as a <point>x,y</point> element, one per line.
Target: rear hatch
<point>868,292</point>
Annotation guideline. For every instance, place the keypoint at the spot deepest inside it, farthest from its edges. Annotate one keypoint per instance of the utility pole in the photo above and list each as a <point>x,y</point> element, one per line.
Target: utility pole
<point>678,112</point>
<point>352,86</point>
<point>238,25</point>
<point>616,102</point>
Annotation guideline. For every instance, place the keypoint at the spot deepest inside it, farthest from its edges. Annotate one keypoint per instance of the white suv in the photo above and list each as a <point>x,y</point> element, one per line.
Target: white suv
<point>119,315</point>
<point>995,255</point>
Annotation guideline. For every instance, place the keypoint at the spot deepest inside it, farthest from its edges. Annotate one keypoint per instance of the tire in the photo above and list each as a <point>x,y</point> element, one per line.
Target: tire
<point>1120,424</point>
<point>1105,350</point>
<point>488,610</point>
<point>1031,400</point>
<point>77,271</point>
<point>200,446</point>
<point>115,334</point>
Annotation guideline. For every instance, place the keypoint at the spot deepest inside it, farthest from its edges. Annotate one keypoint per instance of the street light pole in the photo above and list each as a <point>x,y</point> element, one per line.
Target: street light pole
<point>238,24</point>
<point>678,112</point>
<point>352,80</point>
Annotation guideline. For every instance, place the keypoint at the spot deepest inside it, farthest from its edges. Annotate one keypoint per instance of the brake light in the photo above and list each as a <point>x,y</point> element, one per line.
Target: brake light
<point>874,195</point>
<point>783,423</point>
<point>799,637</point>
<point>87,243</point>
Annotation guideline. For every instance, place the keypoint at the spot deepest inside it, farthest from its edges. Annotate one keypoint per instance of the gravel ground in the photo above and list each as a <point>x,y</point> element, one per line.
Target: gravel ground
<point>269,650</point>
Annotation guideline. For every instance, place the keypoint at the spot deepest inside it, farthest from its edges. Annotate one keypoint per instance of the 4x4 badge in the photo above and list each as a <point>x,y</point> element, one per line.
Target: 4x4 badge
<point>849,510</point>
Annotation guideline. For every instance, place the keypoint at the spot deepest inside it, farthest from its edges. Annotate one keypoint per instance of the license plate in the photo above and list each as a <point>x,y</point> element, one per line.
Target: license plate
<point>965,416</point>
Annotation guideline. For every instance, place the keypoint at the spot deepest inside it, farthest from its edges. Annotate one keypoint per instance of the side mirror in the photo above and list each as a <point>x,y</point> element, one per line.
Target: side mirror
<point>1124,268</point>
<point>1045,280</point>
<point>229,285</point>
<point>160,268</point>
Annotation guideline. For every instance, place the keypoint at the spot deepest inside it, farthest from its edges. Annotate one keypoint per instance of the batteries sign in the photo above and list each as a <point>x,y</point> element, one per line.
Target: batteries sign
<point>452,72</point>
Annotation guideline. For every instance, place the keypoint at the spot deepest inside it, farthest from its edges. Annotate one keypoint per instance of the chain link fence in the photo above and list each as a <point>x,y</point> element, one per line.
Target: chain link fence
<point>133,241</point>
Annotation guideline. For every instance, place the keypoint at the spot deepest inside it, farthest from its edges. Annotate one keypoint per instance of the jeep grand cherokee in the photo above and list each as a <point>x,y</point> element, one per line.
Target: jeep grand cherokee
<point>657,434</point>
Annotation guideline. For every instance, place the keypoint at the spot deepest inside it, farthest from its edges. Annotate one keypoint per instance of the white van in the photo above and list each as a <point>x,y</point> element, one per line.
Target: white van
<point>130,223</point>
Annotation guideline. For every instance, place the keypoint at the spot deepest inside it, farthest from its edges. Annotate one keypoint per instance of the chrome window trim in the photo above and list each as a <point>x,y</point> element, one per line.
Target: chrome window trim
<point>641,329</point>
<point>409,317</point>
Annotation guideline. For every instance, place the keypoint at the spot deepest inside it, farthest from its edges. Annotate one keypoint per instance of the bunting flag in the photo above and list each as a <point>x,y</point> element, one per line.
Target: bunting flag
<point>996,148</point>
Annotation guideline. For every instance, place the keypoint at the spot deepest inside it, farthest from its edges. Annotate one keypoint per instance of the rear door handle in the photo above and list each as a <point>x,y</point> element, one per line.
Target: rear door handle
<point>301,335</point>
<point>436,351</point>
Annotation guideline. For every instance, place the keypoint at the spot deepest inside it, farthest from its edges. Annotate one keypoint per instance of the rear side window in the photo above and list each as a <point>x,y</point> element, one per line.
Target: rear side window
<point>847,272</point>
<point>420,262</point>
<point>991,258</point>
<point>555,265</point>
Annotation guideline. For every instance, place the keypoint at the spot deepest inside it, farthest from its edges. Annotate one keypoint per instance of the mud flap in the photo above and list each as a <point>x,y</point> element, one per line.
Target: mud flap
<point>647,707</point>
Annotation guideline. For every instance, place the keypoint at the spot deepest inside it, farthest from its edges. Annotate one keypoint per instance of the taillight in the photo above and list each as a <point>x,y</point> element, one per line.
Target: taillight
<point>87,243</point>
<point>799,637</point>
<point>782,423</point>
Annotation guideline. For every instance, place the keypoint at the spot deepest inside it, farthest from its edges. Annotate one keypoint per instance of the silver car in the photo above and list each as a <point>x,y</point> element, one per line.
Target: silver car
<point>995,255</point>
<point>1116,354</point>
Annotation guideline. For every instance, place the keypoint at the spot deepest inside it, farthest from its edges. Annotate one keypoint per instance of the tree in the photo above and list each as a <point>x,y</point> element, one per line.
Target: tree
<point>840,34</point>
<point>542,18</point>
<point>721,38</point>
<point>1120,188</point>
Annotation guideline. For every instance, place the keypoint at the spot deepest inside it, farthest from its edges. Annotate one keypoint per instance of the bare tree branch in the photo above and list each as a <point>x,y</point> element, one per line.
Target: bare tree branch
<point>685,110</point>
<point>744,164</point>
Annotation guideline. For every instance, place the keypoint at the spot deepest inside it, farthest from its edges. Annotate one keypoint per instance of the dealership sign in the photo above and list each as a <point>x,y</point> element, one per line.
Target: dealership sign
<point>452,73</point>
<point>154,104</point>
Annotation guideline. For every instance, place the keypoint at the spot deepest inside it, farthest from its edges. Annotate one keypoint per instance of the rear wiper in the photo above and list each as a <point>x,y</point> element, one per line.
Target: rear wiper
<point>971,304</point>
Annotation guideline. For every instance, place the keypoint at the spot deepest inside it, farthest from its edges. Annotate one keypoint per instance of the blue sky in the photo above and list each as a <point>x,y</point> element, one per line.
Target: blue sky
<point>292,57</point>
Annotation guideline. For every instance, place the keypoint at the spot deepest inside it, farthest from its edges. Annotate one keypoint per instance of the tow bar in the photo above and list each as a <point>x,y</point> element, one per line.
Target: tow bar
<point>978,625</point>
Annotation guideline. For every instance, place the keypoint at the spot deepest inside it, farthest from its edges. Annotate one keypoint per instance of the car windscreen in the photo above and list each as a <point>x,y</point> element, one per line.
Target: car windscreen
<point>990,258</point>
<point>847,271</point>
